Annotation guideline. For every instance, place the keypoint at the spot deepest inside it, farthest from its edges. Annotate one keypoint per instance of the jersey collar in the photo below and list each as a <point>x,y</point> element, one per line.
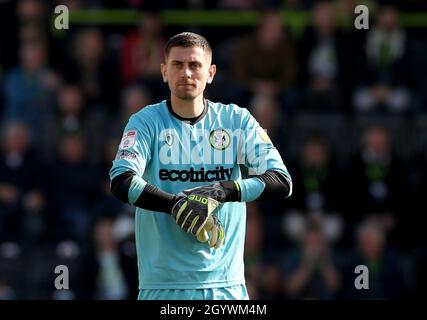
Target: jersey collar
<point>192,121</point>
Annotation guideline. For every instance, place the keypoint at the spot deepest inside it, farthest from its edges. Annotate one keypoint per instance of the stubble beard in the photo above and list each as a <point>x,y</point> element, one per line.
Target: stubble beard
<point>185,96</point>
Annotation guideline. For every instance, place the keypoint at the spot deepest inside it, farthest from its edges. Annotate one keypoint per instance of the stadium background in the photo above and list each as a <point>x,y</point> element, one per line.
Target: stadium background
<point>346,109</point>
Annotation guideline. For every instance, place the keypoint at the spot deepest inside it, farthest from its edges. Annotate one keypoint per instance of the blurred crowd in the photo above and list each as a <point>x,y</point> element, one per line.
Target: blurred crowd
<point>346,108</point>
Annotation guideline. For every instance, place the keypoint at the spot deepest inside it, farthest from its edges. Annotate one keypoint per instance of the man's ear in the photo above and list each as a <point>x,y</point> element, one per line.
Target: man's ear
<point>212,71</point>
<point>163,72</point>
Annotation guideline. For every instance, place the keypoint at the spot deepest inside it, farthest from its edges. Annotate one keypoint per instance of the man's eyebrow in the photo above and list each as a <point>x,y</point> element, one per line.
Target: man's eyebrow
<point>190,62</point>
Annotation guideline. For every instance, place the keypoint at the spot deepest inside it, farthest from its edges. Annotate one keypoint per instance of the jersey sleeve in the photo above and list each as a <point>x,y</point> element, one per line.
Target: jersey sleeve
<point>257,152</point>
<point>134,153</point>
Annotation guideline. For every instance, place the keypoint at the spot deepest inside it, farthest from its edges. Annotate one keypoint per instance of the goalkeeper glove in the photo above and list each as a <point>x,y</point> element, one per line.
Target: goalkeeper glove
<point>193,211</point>
<point>213,227</point>
<point>220,191</point>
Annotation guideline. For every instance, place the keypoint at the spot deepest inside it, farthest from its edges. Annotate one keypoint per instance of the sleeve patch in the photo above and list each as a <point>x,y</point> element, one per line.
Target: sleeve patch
<point>128,140</point>
<point>264,136</point>
<point>125,154</point>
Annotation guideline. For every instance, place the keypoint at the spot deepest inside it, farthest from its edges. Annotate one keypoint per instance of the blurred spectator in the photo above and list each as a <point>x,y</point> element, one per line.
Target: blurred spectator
<point>32,18</point>
<point>264,63</point>
<point>72,189</point>
<point>22,199</point>
<point>377,179</point>
<point>134,98</point>
<point>295,223</point>
<point>71,108</point>
<point>71,116</point>
<point>322,60</point>
<point>267,112</point>
<point>74,115</point>
<point>270,281</point>
<point>33,21</point>
<point>310,270</point>
<point>21,21</point>
<point>316,177</point>
<point>106,203</point>
<point>253,245</point>
<point>31,12</point>
<point>29,88</point>
<point>262,273</point>
<point>109,268</point>
<point>371,250</point>
<point>383,84</point>
<point>141,54</point>
<point>93,69</point>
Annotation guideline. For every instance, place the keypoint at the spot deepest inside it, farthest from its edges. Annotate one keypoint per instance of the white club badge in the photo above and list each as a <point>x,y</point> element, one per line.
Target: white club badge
<point>219,139</point>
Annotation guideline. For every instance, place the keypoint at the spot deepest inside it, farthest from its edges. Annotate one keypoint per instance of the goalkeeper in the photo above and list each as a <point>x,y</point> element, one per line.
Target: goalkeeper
<point>179,163</point>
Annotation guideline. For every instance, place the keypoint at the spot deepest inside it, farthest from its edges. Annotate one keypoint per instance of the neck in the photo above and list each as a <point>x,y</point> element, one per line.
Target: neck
<point>187,108</point>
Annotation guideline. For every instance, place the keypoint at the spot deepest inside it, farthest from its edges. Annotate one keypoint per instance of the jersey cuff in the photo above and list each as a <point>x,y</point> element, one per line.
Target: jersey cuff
<point>136,187</point>
<point>232,190</point>
<point>250,189</point>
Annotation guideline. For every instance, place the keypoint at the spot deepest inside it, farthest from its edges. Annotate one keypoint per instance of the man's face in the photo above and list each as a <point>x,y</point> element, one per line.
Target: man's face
<point>377,141</point>
<point>187,70</point>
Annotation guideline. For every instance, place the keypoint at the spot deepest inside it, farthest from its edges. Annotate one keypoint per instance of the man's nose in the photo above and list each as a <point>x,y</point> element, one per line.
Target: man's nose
<point>186,72</point>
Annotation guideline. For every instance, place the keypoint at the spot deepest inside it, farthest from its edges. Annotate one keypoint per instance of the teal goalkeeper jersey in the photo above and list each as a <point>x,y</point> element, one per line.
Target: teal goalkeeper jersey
<point>175,155</point>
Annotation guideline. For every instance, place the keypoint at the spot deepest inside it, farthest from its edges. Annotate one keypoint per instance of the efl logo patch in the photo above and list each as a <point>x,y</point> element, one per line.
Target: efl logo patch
<point>128,139</point>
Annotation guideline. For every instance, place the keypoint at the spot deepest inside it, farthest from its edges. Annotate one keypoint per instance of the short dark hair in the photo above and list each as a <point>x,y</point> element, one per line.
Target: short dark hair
<point>187,40</point>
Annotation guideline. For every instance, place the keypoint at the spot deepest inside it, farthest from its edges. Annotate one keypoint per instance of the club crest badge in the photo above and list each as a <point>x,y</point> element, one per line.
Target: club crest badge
<point>219,139</point>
